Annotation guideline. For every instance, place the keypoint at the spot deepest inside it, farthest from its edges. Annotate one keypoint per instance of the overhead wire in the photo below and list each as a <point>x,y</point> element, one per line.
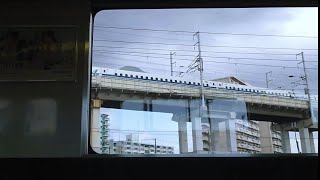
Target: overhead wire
<point>218,46</point>
<point>251,64</point>
<point>241,72</point>
<point>205,32</point>
<point>180,50</point>
<point>224,57</point>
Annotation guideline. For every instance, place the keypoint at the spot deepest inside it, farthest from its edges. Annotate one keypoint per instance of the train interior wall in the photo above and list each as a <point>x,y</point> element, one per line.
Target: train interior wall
<point>61,108</point>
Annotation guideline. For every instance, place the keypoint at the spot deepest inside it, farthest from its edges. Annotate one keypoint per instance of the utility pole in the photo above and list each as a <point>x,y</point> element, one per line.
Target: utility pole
<point>155,145</point>
<point>200,68</point>
<point>267,80</point>
<point>306,79</point>
<point>171,63</point>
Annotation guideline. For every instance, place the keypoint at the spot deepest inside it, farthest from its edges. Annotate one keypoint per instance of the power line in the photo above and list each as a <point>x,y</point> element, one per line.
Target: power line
<point>139,61</point>
<point>204,32</point>
<point>227,52</point>
<point>169,44</point>
<point>215,70</point>
<point>248,64</point>
<point>225,57</point>
<point>289,67</point>
<point>229,74</point>
<point>146,36</point>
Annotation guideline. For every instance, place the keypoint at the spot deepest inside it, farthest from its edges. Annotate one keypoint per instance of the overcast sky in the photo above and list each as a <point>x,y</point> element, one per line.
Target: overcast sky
<point>274,21</point>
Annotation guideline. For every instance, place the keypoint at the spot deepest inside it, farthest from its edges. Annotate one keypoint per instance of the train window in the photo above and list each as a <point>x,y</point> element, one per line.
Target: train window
<point>145,113</point>
<point>116,74</point>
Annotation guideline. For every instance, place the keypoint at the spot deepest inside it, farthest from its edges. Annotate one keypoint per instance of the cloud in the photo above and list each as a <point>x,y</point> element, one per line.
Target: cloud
<point>286,21</point>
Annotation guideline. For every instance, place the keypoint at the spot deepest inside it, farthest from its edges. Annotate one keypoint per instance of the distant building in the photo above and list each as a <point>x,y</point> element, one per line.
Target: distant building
<point>104,134</point>
<point>132,146</point>
<point>251,136</point>
<point>206,136</point>
<point>100,142</point>
<point>132,68</point>
<point>233,80</point>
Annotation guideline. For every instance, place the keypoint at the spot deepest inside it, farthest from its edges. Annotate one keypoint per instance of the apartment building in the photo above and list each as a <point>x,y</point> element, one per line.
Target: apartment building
<point>247,136</point>
<point>251,136</point>
<point>132,146</point>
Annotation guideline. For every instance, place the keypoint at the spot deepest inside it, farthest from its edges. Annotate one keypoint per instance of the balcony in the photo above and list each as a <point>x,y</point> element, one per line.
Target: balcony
<point>275,135</point>
<point>248,124</point>
<point>242,145</point>
<point>277,143</point>
<point>205,131</point>
<point>206,146</point>
<point>279,150</point>
<point>205,138</point>
<point>257,149</point>
<point>254,127</point>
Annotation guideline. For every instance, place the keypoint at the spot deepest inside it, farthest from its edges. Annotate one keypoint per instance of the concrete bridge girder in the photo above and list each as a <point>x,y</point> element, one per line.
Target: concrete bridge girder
<point>255,112</point>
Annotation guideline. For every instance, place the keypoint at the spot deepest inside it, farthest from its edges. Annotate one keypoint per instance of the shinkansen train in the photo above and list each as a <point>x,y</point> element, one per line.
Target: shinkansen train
<point>98,71</point>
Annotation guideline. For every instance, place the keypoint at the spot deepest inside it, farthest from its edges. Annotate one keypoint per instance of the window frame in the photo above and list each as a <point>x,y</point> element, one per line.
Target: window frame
<point>96,7</point>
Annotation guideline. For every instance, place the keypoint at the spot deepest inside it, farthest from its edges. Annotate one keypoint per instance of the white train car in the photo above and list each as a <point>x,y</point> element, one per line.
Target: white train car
<point>190,82</point>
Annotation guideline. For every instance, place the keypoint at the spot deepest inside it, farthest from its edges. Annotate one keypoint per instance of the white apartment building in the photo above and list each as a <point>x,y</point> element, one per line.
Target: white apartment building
<point>247,136</point>
<point>251,136</point>
<point>132,146</point>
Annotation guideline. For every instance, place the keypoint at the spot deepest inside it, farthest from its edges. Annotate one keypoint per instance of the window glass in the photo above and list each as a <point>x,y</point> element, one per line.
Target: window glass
<point>238,67</point>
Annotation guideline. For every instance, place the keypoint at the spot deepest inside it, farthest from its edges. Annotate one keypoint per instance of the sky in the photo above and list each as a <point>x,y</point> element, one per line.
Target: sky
<point>145,39</point>
<point>114,47</point>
